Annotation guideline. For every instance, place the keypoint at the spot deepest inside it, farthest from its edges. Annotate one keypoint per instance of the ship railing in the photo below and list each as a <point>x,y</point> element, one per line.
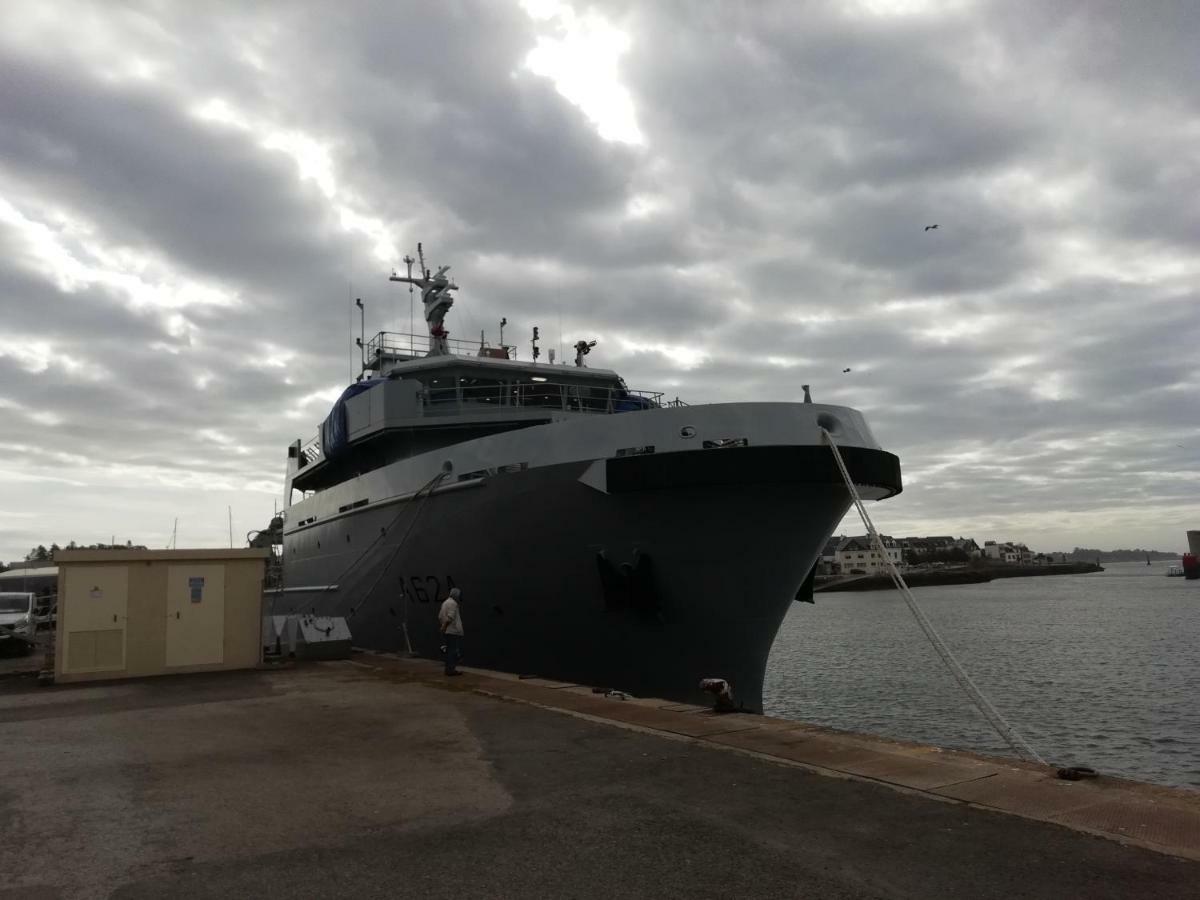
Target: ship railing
<point>399,345</point>
<point>500,397</point>
<point>311,452</point>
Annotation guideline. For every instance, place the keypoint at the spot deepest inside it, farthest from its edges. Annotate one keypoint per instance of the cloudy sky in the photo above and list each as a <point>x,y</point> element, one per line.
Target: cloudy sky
<point>730,197</point>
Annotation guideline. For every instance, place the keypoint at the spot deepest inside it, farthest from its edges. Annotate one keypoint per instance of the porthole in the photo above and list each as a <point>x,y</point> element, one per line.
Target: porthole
<point>687,431</point>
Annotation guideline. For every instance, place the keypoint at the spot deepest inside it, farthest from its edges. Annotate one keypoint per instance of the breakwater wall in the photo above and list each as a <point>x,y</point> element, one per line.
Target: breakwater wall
<point>936,577</point>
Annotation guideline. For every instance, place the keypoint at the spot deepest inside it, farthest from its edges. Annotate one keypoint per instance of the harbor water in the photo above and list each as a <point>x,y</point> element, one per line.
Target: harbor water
<point>1100,669</point>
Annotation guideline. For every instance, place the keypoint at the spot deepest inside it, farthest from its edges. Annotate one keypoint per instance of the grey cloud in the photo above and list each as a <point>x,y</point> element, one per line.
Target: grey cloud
<point>795,152</point>
<point>149,174</point>
<point>1136,53</point>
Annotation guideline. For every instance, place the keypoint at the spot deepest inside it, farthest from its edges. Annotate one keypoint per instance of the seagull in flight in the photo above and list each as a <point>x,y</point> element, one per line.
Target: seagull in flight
<point>930,227</point>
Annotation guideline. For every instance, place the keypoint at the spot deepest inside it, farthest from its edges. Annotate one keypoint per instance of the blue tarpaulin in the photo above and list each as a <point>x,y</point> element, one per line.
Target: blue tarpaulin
<point>334,433</point>
<point>631,403</point>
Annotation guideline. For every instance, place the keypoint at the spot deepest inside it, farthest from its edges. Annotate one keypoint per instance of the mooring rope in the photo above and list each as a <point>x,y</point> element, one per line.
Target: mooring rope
<point>375,545</point>
<point>1006,731</point>
<point>429,488</point>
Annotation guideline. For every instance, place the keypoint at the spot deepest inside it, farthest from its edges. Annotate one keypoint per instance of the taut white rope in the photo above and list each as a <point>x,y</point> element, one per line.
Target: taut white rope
<point>1006,731</point>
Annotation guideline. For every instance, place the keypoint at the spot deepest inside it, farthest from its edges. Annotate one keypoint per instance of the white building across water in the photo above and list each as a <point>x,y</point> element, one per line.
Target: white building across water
<point>858,555</point>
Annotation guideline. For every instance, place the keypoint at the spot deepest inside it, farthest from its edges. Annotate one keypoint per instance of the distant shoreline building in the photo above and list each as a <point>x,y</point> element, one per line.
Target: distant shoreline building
<point>844,555</point>
<point>853,555</point>
<point>1008,552</point>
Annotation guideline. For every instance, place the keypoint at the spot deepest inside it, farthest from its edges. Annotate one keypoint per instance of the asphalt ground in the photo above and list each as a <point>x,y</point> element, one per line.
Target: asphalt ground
<point>331,781</point>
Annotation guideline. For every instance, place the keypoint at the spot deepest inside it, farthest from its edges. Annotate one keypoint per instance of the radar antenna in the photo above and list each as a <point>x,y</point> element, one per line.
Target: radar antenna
<point>582,349</point>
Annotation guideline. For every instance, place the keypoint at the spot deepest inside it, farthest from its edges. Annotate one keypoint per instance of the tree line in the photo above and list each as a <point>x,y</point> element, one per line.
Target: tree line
<point>1087,554</point>
<point>42,553</point>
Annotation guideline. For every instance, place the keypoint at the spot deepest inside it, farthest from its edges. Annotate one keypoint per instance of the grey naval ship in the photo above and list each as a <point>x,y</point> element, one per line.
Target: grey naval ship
<point>599,534</point>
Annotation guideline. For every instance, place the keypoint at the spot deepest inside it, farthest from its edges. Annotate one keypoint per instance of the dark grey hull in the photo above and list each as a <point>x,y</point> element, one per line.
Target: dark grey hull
<point>710,570</point>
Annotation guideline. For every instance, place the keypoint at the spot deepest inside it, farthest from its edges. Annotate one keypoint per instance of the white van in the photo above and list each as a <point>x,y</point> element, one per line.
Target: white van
<point>17,621</point>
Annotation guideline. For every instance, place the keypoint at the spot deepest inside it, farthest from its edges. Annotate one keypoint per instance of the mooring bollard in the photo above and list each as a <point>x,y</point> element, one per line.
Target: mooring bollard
<point>722,690</point>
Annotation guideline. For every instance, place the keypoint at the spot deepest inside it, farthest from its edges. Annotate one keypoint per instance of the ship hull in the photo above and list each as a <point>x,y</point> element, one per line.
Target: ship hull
<point>665,576</point>
<point>1191,567</point>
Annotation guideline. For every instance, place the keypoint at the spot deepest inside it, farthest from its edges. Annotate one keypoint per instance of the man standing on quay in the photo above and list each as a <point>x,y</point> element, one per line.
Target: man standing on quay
<point>450,621</point>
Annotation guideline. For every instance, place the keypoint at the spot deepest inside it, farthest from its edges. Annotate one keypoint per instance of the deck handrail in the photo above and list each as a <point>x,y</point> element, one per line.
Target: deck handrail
<point>415,346</point>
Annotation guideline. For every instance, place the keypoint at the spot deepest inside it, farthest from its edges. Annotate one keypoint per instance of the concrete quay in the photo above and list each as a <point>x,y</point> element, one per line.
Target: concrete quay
<point>378,777</point>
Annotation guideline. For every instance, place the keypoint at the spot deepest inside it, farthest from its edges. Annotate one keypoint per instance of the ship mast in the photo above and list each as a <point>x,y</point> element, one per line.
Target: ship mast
<point>435,294</point>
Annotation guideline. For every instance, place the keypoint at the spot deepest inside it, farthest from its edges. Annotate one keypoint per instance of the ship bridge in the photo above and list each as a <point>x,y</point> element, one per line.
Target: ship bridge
<point>412,402</point>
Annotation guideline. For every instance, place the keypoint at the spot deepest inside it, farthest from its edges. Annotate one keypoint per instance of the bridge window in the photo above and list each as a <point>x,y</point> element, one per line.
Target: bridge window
<point>442,390</point>
<point>482,390</point>
<point>539,393</point>
<point>594,399</point>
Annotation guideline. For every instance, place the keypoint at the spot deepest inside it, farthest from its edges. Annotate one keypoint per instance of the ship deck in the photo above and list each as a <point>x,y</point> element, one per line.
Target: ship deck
<point>377,777</point>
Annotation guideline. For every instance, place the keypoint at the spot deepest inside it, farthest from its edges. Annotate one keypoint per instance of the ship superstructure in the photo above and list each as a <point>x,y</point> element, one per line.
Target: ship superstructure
<point>599,534</point>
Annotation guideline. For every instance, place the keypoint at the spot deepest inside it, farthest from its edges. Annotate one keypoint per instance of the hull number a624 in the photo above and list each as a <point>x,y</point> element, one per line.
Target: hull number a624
<point>426,588</point>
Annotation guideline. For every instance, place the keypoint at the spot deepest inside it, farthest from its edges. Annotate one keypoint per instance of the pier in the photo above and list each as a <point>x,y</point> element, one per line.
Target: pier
<point>377,777</point>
